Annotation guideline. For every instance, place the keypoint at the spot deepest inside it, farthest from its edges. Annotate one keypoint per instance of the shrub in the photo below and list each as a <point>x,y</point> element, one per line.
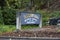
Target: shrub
<point>9,16</point>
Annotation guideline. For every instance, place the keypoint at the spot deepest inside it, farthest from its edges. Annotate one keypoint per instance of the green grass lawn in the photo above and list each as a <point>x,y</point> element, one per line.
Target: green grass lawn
<point>10,28</point>
<point>7,28</point>
<point>29,26</point>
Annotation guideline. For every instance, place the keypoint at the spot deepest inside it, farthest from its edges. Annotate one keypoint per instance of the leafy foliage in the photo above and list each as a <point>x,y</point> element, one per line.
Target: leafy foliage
<point>9,16</point>
<point>1,17</point>
<point>8,10</point>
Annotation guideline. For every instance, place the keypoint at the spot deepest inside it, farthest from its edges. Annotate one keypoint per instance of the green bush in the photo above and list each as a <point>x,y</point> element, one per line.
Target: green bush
<point>45,16</point>
<point>55,14</point>
<point>1,17</point>
<point>9,16</point>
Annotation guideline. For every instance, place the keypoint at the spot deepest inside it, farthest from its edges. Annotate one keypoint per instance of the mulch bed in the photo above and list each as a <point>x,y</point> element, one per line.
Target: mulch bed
<point>46,32</point>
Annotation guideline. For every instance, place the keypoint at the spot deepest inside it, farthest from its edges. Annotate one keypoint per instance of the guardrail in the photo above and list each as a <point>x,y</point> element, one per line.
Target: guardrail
<point>29,38</point>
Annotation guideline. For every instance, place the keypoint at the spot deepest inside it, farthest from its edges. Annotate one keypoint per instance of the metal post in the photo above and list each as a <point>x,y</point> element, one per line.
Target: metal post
<point>40,25</point>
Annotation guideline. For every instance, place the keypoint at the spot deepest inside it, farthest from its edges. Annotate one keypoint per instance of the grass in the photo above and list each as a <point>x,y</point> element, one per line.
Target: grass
<point>10,28</point>
<point>58,30</point>
<point>29,26</point>
<point>7,28</point>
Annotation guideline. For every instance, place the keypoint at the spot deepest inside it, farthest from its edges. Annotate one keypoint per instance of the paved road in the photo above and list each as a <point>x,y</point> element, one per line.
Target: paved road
<point>27,38</point>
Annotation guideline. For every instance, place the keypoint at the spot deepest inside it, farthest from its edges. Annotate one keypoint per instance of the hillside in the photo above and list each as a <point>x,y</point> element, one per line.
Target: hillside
<point>54,5</point>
